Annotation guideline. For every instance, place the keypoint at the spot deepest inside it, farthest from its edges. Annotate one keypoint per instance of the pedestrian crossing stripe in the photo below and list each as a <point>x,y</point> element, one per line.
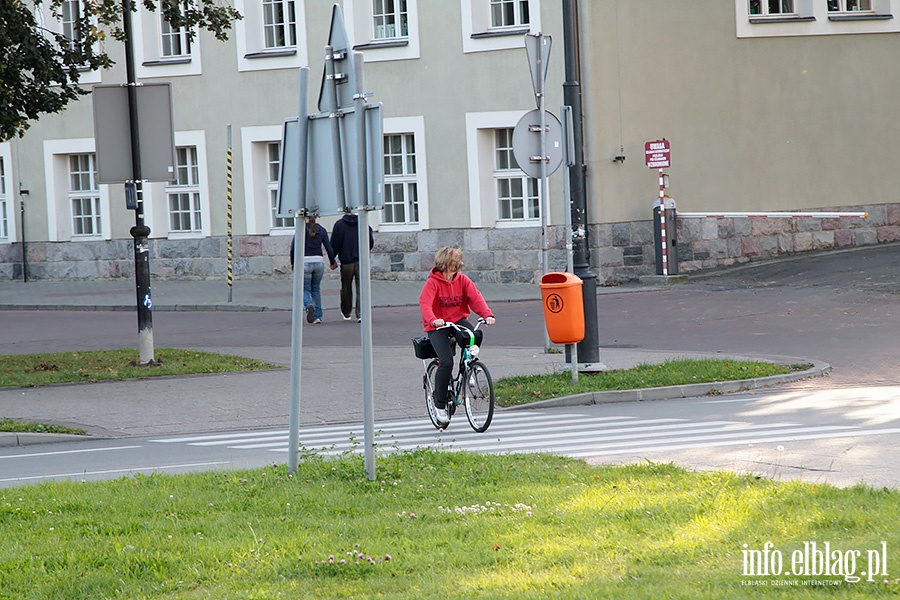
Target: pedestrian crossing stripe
<point>569,434</point>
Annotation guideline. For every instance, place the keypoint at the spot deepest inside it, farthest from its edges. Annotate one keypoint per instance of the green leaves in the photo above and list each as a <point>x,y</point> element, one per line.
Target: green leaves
<point>40,67</point>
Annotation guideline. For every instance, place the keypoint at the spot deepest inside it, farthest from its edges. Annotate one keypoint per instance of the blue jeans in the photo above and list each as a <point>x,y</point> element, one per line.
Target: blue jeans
<point>312,286</point>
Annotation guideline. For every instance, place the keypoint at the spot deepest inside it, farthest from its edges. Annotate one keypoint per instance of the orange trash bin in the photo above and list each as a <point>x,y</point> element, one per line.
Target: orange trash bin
<point>563,307</point>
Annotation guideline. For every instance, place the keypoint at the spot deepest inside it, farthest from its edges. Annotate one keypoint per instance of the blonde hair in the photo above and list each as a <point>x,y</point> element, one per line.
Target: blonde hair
<point>445,257</point>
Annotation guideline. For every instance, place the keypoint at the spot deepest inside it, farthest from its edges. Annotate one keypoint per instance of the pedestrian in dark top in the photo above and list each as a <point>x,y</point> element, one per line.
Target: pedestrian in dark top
<point>345,241</point>
<point>314,267</point>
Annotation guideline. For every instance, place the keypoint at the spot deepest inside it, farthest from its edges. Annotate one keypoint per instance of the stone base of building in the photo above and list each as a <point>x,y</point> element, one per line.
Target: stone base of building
<point>619,252</point>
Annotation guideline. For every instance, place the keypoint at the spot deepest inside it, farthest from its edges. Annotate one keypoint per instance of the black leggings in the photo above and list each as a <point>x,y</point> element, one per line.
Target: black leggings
<point>440,341</point>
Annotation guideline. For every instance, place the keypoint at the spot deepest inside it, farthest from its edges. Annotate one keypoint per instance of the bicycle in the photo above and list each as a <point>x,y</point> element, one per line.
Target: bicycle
<point>472,385</point>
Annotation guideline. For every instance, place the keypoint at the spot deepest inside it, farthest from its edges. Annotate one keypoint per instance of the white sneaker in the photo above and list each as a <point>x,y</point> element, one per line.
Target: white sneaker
<point>346,317</point>
<point>317,321</point>
<point>442,415</point>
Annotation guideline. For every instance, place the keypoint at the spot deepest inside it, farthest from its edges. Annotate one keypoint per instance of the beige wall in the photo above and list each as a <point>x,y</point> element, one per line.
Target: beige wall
<point>755,124</point>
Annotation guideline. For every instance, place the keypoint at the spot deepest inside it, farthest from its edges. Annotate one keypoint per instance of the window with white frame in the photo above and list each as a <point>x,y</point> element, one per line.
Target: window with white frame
<point>771,7</point>
<point>261,162</point>
<point>401,194</point>
<point>509,13</point>
<point>161,49</point>
<point>849,5</point>
<point>4,216</point>
<point>70,13</point>
<point>273,163</point>
<point>498,24</point>
<point>783,18</point>
<point>390,19</point>
<point>174,41</point>
<point>185,209</point>
<point>384,29</point>
<point>279,24</point>
<point>517,194</point>
<point>84,196</point>
<point>65,19</point>
<point>70,172</point>
<point>271,34</point>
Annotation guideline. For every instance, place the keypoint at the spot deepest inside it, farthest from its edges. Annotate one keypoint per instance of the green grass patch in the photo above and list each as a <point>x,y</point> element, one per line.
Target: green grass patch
<point>10,425</point>
<point>438,525</point>
<point>512,391</point>
<point>28,370</point>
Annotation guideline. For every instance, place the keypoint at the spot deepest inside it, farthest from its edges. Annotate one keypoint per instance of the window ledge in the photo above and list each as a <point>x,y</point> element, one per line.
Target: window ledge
<point>376,44</point>
<point>271,53</point>
<point>760,20</point>
<point>500,33</point>
<point>865,17</point>
<point>167,61</point>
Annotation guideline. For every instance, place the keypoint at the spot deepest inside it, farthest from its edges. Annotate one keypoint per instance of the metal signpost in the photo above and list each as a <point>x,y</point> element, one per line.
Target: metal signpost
<point>135,143</point>
<point>337,158</point>
<point>537,139</point>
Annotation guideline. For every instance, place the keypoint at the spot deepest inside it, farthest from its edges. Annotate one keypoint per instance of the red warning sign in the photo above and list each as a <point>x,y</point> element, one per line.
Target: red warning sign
<point>658,154</point>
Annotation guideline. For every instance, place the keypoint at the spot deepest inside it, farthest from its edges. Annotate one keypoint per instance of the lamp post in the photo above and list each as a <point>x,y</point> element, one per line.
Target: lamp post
<point>140,232</point>
<point>588,349</point>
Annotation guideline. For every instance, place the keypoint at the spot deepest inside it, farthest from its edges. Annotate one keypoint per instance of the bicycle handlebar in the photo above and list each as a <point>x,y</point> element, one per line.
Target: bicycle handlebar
<point>481,321</point>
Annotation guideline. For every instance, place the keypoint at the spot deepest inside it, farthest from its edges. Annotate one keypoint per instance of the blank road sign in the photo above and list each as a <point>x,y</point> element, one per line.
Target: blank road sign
<point>322,195</point>
<point>527,143</point>
<point>156,132</point>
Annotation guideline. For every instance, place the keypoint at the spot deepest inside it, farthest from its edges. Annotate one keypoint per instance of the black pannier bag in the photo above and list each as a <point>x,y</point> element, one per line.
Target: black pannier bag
<point>422,346</point>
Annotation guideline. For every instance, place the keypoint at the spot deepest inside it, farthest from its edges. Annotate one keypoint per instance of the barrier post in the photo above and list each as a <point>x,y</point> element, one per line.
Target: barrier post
<point>662,222</point>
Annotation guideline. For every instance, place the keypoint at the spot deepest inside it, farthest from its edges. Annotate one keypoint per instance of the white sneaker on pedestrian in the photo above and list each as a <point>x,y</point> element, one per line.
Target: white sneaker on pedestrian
<point>346,317</point>
<point>442,415</point>
<point>310,309</point>
<point>317,321</point>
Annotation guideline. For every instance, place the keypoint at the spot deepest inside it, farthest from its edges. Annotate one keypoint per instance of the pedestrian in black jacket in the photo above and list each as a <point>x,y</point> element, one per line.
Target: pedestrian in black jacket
<point>345,241</point>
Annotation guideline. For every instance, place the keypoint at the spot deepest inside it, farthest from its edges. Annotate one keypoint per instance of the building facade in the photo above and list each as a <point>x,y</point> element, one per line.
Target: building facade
<point>768,106</point>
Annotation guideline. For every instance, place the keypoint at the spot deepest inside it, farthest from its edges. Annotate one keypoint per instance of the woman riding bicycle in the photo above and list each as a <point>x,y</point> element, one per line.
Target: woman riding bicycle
<point>448,296</point>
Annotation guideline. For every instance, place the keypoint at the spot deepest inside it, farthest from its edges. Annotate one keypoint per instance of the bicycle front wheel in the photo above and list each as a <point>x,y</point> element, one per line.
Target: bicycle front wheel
<point>479,397</point>
<point>428,384</point>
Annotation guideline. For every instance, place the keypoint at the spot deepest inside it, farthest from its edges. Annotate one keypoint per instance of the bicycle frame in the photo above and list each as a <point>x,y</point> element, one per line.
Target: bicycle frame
<point>469,369</point>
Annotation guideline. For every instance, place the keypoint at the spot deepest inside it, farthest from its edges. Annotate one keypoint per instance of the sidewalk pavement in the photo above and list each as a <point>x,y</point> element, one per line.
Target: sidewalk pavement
<point>174,405</point>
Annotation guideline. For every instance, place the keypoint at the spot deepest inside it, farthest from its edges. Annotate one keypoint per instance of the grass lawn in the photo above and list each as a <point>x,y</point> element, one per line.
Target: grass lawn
<point>448,525</point>
<point>28,370</point>
<point>513,391</point>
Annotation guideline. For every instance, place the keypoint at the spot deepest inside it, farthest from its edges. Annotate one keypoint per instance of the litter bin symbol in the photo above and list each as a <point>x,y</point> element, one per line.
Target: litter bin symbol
<point>563,307</point>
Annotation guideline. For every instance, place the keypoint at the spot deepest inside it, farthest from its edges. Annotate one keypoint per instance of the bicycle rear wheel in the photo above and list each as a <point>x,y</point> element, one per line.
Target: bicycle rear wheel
<point>479,397</point>
<point>428,384</point>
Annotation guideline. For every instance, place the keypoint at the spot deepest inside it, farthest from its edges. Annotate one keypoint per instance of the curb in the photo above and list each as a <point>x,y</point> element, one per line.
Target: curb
<point>677,391</point>
<point>9,439</point>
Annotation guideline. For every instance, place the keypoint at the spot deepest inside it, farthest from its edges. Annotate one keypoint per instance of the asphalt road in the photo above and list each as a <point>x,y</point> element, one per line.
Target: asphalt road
<point>839,307</point>
<point>842,308</point>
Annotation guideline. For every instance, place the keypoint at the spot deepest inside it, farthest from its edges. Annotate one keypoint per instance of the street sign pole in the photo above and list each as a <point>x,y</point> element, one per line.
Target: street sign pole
<point>545,188</point>
<point>320,149</point>
<point>365,277</point>
<point>537,48</point>
<point>297,299</point>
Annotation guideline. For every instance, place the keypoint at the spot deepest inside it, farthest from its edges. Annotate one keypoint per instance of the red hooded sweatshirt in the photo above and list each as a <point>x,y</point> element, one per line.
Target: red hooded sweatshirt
<point>450,300</point>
